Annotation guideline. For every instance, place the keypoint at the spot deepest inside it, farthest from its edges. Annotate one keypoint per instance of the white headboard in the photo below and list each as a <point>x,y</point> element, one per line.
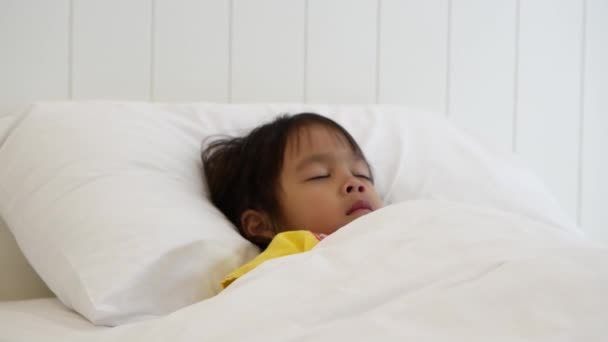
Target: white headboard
<point>529,75</point>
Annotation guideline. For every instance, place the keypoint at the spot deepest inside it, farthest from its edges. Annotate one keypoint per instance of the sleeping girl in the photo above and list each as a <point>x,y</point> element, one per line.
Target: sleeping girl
<point>289,183</point>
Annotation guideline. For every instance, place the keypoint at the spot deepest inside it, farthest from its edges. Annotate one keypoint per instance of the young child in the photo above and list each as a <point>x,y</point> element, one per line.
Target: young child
<point>289,183</point>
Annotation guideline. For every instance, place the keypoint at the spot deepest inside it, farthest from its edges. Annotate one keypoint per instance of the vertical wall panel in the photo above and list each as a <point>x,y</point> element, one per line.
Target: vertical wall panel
<point>548,109</point>
<point>342,51</point>
<point>111,53</point>
<point>413,53</point>
<point>482,68</point>
<point>268,50</point>
<point>191,50</point>
<point>33,52</point>
<point>594,214</point>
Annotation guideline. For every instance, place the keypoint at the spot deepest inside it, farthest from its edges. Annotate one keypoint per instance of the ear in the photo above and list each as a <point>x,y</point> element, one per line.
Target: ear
<point>257,225</point>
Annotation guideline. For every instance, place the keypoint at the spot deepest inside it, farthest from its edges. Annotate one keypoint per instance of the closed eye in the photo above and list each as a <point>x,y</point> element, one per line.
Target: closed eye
<point>317,177</point>
<point>366,177</point>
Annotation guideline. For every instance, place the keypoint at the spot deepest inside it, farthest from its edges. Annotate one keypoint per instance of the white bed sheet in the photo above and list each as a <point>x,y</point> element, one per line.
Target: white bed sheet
<point>41,319</point>
<point>418,270</point>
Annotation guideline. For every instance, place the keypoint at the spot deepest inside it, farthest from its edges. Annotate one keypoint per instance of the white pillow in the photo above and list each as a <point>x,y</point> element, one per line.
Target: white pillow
<point>108,204</point>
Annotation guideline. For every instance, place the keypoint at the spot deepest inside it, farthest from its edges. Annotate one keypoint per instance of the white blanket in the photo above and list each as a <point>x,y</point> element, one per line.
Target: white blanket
<point>416,271</point>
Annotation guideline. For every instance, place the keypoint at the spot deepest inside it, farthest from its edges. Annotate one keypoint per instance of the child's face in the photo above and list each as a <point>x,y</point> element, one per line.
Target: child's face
<point>323,184</point>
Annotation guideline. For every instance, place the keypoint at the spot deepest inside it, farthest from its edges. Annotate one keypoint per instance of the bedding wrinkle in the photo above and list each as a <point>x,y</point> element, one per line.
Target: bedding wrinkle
<point>477,275</point>
<point>359,305</point>
<point>357,302</point>
<point>91,178</point>
<point>30,194</point>
<point>15,121</point>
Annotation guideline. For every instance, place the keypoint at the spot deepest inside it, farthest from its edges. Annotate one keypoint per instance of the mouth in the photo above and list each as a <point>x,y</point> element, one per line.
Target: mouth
<point>359,206</point>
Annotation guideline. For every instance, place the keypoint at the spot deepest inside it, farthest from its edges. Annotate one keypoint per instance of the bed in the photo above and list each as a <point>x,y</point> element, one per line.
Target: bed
<point>107,233</point>
<point>106,201</point>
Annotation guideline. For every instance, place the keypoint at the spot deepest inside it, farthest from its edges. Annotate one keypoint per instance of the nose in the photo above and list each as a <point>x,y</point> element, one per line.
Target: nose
<point>353,185</point>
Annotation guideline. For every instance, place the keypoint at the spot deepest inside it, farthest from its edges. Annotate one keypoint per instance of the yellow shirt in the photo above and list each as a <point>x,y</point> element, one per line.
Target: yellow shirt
<point>285,243</point>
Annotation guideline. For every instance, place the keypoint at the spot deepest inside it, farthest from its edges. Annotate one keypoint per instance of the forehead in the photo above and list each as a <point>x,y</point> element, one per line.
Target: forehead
<point>316,139</point>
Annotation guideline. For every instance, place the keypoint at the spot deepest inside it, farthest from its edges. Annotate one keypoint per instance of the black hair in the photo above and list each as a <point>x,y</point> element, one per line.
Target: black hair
<point>243,172</point>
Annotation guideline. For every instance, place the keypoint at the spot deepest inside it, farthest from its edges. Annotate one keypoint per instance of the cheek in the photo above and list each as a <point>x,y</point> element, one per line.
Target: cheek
<point>375,198</point>
<point>378,197</point>
<point>312,202</point>
<point>297,207</point>
<point>312,210</point>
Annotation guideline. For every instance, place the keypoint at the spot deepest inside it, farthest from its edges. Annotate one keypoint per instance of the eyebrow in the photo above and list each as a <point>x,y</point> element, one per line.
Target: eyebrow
<point>321,158</point>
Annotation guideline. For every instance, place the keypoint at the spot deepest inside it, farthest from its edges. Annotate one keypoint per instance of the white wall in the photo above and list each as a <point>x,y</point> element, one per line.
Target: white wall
<point>529,75</point>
